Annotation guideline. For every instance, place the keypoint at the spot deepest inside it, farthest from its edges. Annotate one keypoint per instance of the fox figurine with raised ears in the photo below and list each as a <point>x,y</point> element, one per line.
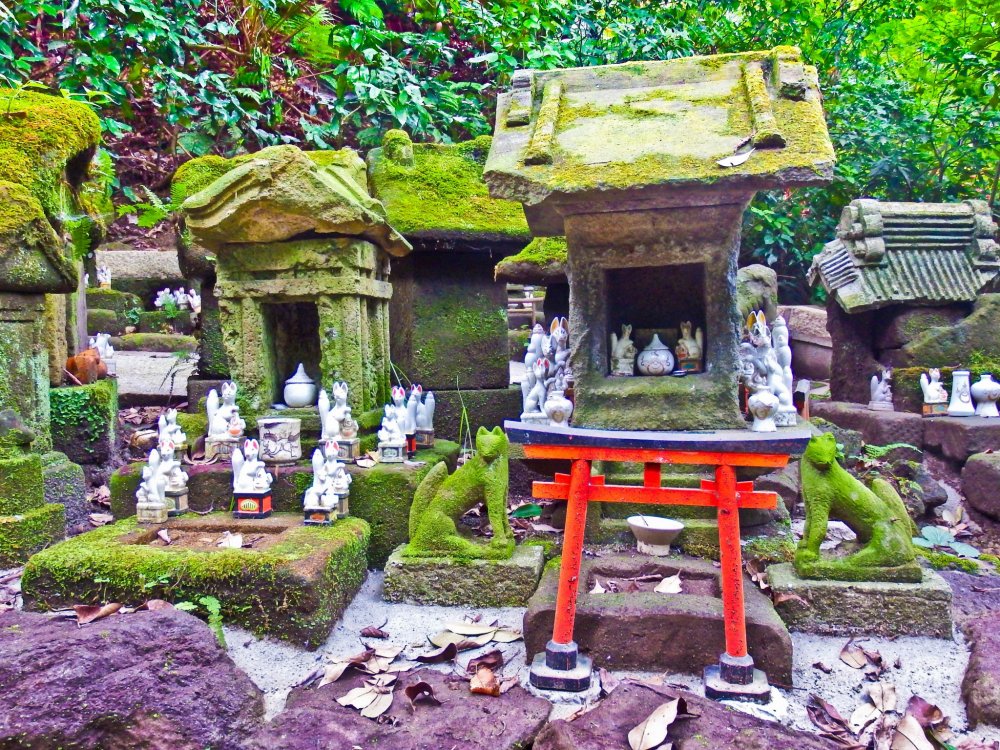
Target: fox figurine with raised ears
<point>441,500</point>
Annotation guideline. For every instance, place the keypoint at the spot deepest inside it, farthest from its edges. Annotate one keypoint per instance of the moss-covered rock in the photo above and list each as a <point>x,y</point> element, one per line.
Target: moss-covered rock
<point>212,359</point>
<point>163,321</point>
<point>293,588</point>
<point>155,342</point>
<point>105,321</point>
<point>757,289</point>
<point>24,386</point>
<point>84,420</point>
<point>437,190</point>
<point>66,485</point>
<point>112,299</point>
<point>958,344</point>
<point>27,523</point>
<point>31,253</point>
<point>542,261</point>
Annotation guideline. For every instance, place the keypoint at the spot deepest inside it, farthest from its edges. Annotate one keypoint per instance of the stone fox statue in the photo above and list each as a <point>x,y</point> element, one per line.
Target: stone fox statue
<point>441,499</point>
<point>876,515</point>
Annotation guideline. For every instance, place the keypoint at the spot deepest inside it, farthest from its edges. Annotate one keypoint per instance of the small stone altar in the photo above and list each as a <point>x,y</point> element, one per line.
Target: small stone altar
<point>302,263</point>
<point>624,160</point>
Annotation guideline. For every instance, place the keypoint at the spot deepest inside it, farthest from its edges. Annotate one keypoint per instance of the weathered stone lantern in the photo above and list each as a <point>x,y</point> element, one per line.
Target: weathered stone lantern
<point>646,168</point>
<point>302,259</point>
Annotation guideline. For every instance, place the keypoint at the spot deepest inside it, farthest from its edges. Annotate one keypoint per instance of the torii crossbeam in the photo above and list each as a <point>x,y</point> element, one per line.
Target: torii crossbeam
<point>561,667</point>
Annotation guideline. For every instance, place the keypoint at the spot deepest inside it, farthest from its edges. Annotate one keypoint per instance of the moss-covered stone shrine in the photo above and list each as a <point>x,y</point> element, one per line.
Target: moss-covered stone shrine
<point>646,168</point>
<point>302,262</point>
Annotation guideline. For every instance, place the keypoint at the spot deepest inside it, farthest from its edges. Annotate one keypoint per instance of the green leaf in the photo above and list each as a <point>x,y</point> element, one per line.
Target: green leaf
<point>937,536</point>
<point>964,550</point>
<point>531,510</point>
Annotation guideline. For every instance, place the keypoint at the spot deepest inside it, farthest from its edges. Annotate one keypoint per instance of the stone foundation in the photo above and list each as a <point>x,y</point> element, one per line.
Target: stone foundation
<point>646,630</point>
<point>857,608</point>
<point>876,427</point>
<point>957,438</point>
<point>293,586</point>
<point>475,583</point>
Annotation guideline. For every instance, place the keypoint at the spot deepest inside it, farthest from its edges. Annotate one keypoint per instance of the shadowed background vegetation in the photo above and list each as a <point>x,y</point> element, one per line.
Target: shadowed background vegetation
<point>910,86</point>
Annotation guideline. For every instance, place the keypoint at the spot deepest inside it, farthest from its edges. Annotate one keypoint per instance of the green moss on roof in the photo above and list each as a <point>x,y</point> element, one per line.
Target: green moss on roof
<point>39,136</point>
<point>442,193</point>
<point>543,260</point>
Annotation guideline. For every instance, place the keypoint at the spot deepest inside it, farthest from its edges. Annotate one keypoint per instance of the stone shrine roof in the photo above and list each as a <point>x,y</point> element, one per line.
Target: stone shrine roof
<point>542,261</point>
<point>914,253</point>
<point>633,131</point>
<point>436,191</point>
<point>283,193</point>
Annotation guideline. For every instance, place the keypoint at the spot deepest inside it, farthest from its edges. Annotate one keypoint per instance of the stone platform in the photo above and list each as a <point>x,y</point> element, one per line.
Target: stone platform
<point>957,438</point>
<point>647,630</point>
<point>380,495</point>
<point>869,607</point>
<point>477,583</point>
<point>876,427</point>
<point>293,583</point>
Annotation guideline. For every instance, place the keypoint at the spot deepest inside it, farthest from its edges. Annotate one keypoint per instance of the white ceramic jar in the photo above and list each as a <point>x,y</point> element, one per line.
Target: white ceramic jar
<point>300,389</point>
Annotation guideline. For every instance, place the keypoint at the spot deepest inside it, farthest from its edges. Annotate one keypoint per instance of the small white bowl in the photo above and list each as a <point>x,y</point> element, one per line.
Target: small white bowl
<point>654,534</point>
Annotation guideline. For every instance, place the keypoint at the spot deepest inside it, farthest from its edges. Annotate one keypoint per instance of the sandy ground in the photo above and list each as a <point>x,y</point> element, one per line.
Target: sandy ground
<point>929,667</point>
<point>148,373</point>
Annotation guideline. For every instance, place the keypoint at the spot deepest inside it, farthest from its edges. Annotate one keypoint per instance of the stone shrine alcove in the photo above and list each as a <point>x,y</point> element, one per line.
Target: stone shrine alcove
<point>302,262</point>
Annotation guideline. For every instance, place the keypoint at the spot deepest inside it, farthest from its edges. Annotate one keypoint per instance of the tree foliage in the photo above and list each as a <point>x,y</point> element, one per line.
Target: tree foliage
<point>910,86</point>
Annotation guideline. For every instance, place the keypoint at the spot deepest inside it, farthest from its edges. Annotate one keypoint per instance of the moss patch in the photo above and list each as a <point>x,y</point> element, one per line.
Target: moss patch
<point>294,589</point>
<point>542,261</point>
<point>155,342</point>
<point>84,419</point>
<point>441,193</point>
<point>23,535</point>
<point>112,299</point>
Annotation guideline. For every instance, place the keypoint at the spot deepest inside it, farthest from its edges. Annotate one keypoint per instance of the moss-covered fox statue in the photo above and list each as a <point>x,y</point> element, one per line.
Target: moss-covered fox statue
<point>442,499</point>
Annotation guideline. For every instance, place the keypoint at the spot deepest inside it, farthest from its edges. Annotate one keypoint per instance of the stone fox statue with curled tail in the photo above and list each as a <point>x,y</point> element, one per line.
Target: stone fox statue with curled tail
<point>442,499</point>
<point>876,515</point>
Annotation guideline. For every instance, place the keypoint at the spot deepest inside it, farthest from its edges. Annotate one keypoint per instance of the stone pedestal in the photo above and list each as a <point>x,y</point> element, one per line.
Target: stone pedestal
<point>424,438</point>
<point>151,513</point>
<point>349,450</point>
<point>391,453</point>
<point>476,583</point>
<point>863,607</point>
<point>177,502</point>
<point>316,517</point>
<point>647,630</point>
<point>220,448</point>
<point>252,504</point>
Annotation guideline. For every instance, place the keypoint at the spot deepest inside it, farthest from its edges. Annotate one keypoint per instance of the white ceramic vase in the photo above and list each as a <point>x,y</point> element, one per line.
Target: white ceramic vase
<point>961,395</point>
<point>300,389</point>
<point>985,392</point>
<point>655,359</point>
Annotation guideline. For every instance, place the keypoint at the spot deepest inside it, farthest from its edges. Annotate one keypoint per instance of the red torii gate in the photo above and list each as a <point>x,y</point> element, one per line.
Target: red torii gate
<point>561,667</point>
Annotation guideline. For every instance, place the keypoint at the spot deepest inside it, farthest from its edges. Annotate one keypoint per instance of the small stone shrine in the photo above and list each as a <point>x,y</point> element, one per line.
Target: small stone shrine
<point>646,168</point>
<point>302,264</point>
<point>897,276</point>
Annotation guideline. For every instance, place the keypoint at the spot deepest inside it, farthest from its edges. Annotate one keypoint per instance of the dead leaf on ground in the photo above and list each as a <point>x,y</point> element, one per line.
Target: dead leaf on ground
<point>461,642</point>
<point>91,612</point>
<point>927,714</point>
<point>598,588</point>
<point>910,735</point>
<point>608,681</point>
<point>230,540</point>
<point>669,585</point>
<point>881,738</point>
<point>862,716</point>
<point>826,716</point>
<point>977,745</point>
<point>154,605</point>
<point>165,536</point>
<point>822,667</point>
<point>882,696</point>
<point>545,528</point>
<point>335,671</point>
<point>853,655</point>
<point>653,730</point>
<point>366,463</point>
<point>755,569</point>
<point>373,698</point>
<point>492,659</point>
<point>507,683</point>
<point>421,691</point>
<point>374,632</point>
<point>783,597</point>
<point>485,682</point>
<point>441,655</point>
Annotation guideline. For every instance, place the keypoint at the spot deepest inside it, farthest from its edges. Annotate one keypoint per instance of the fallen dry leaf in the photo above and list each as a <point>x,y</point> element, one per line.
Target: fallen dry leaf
<point>927,714</point>
<point>485,682</point>
<point>153,605</point>
<point>230,541</point>
<point>783,597</point>
<point>653,730</point>
<point>598,588</point>
<point>736,159</point>
<point>373,698</point>
<point>461,642</point>
<point>822,667</point>
<point>335,671</point>
<point>90,612</point>
<point>441,655</point>
<point>507,683</point>
<point>164,535</point>
<point>853,655</point>
<point>910,735</point>
<point>669,585</point>
<point>977,745</point>
<point>420,691</point>
<point>862,716</point>
<point>608,681</point>
<point>373,632</point>
<point>492,659</point>
<point>882,696</point>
